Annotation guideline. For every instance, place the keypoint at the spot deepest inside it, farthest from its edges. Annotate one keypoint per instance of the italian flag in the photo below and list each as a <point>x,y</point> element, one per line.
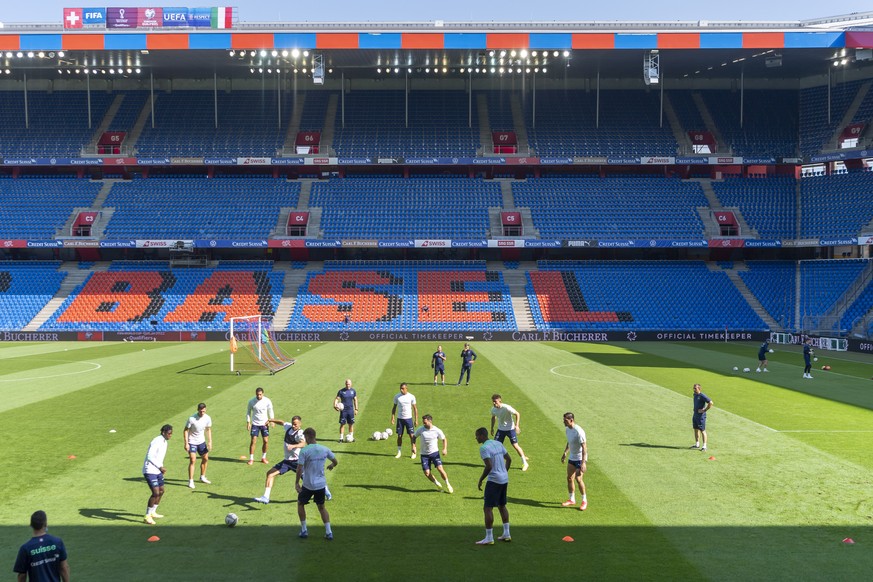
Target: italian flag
<point>222,17</point>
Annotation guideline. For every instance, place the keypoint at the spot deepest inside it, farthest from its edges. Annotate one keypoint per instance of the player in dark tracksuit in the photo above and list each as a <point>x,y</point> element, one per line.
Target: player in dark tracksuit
<point>468,356</point>
<point>807,359</point>
<point>762,356</point>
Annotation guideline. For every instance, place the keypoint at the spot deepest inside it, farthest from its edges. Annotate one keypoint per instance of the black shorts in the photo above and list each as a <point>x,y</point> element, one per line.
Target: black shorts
<point>495,494</point>
<point>306,494</point>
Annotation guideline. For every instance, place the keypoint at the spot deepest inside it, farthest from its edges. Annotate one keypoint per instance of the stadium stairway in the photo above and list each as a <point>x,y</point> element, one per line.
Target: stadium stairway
<point>294,278</point>
<point>484,127</point>
<point>329,127</point>
<point>91,148</point>
<point>75,277</point>
<point>288,147</point>
<point>711,127</point>
<point>518,122</point>
<point>679,133</point>
<point>141,121</point>
<point>516,281</point>
<point>834,142</point>
<point>712,228</point>
<point>734,276</point>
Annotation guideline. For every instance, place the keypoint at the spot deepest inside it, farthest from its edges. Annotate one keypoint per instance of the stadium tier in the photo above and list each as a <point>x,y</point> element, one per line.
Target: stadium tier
<point>25,288</point>
<point>613,208</point>
<point>194,299</point>
<point>773,285</point>
<point>818,119</point>
<point>37,207</point>
<point>763,125</point>
<point>823,283</point>
<point>224,207</point>
<point>836,206</point>
<point>404,296</point>
<point>635,296</point>
<point>419,207</point>
<point>767,204</point>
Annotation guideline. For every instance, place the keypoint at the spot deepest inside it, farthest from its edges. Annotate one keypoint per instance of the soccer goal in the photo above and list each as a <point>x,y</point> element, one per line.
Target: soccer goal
<point>253,346</point>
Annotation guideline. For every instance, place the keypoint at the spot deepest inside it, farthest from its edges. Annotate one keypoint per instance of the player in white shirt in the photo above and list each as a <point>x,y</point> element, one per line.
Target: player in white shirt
<point>497,463</point>
<point>577,447</point>
<point>198,440</point>
<point>153,470</point>
<point>430,454</point>
<point>310,468</point>
<point>258,414</point>
<point>406,411</point>
<point>294,441</point>
<point>507,426</point>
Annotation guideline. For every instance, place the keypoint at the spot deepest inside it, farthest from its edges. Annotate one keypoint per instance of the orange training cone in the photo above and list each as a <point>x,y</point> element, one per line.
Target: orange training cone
<point>567,539</point>
<point>848,541</point>
<point>154,539</point>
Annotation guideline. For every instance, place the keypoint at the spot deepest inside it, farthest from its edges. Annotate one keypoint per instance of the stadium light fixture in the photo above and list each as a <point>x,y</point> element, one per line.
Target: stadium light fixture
<point>19,54</point>
<point>545,70</point>
<point>512,53</point>
<point>232,53</point>
<point>62,54</point>
<point>137,71</point>
<point>305,53</point>
<point>263,53</point>
<point>284,54</point>
<point>9,54</point>
<point>30,54</point>
<point>566,54</point>
<point>295,53</point>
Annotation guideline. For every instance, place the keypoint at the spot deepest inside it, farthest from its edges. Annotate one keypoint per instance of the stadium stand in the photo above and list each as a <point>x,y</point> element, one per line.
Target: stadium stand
<point>836,206</point>
<point>419,207</point>
<point>635,296</point>
<point>36,207</point>
<point>768,126</point>
<point>772,283</point>
<point>25,288</point>
<point>815,129</point>
<point>229,207</point>
<point>823,283</point>
<point>612,208</point>
<point>404,296</point>
<point>767,204</point>
<point>193,299</point>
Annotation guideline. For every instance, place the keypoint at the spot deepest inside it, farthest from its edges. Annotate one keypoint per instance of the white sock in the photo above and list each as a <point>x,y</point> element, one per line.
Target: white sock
<point>264,455</point>
<point>251,457</point>
<point>573,497</point>
<point>327,527</point>
<point>149,510</point>
<point>267,492</point>
<point>506,529</point>
<point>584,497</point>
<point>303,525</point>
<point>437,483</point>
<point>399,449</point>
<point>489,535</point>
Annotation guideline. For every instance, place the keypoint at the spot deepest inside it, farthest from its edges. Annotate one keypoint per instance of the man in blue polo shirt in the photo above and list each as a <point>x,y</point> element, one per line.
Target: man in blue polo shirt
<point>348,397</point>
<point>43,558</point>
<point>702,403</point>
<point>468,356</point>
<point>762,356</point>
<point>438,363</point>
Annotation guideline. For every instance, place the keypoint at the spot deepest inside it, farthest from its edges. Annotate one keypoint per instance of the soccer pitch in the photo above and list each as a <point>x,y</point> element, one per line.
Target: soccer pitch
<point>788,481</point>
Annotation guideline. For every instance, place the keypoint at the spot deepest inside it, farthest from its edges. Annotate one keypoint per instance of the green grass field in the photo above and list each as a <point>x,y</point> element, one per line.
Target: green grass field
<point>790,476</point>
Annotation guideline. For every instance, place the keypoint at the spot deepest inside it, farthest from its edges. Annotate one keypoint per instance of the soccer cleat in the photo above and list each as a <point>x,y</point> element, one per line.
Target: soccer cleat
<point>444,383</point>
<point>584,505</point>
<point>525,466</point>
<point>702,449</point>
<point>398,455</point>
<point>265,461</point>
<point>250,462</point>
<point>434,383</point>
<point>327,496</point>
<point>203,479</point>
<point>262,499</point>
<point>149,520</point>
<point>449,487</point>
<point>157,515</point>
<point>467,384</point>
<point>458,384</point>
<point>766,370</point>
<point>485,542</point>
<point>303,534</point>
<point>328,537</point>
<point>506,538</point>
<point>190,484</point>
<point>568,503</point>
<point>412,456</point>
<point>695,446</point>
<point>758,370</point>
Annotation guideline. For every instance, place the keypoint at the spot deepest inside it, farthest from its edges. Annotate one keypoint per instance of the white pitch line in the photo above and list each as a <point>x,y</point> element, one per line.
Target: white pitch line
<point>96,367</point>
<point>825,431</point>
<point>645,384</point>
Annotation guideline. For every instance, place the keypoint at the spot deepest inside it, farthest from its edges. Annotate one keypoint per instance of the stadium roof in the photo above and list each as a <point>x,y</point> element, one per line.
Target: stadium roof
<point>699,49</point>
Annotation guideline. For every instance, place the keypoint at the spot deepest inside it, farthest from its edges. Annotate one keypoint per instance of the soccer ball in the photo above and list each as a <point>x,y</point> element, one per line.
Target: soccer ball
<point>339,406</point>
<point>350,438</point>
<point>771,350</point>
<point>389,432</point>
<point>736,369</point>
<point>377,436</point>
<point>384,436</point>
<point>815,359</point>
<point>746,370</point>
<point>231,519</point>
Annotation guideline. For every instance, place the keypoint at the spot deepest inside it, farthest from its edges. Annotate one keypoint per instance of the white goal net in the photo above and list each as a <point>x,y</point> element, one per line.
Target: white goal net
<point>253,346</point>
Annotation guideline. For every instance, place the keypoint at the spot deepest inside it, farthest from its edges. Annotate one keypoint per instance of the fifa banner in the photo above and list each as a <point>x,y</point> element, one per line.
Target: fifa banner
<point>126,17</point>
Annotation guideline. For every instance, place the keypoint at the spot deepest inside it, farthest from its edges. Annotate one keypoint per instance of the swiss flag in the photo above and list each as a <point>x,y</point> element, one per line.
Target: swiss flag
<point>72,18</point>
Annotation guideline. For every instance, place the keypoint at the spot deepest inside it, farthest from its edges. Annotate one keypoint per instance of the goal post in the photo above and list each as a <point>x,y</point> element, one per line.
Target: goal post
<point>253,346</point>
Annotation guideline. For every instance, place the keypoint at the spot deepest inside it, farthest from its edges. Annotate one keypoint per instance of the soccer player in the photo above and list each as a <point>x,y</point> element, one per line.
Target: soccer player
<point>197,439</point>
<point>507,427</point>
<point>468,356</point>
<point>438,363</point>
<point>497,463</point>
<point>349,399</point>
<point>762,356</point>
<point>807,358</point>
<point>294,441</point>
<point>577,447</point>
<point>153,470</point>
<point>430,454</point>
<point>702,403</point>
<point>44,556</point>
<point>407,418</point>
<point>259,411</point>
<point>310,468</point>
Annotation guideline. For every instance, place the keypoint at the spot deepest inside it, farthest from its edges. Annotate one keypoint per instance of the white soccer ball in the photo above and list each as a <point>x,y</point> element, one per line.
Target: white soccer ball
<point>771,350</point>
<point>384,436</point>
<point>815,359</point>
<point>350,438</point>
<point>389,432</point>
<point>231,519</point>
<point>339,406</point>
<point>736,369</point>
<point>747,370</point>
<point>377,436</point>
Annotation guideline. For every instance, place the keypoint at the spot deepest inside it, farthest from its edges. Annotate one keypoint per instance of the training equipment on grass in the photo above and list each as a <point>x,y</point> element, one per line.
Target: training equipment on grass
<point>231,519</point>
<point>350,438</point>
<point>253,346</point>
<point>340,406</point>
<point>389,432</point>
<point>384,436</point>
<point>736,369</point>
<point>826,368</point>
<point>815,359</point>
<point>747,370</point>
<point>771,350</point>
<point>377,436</point>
